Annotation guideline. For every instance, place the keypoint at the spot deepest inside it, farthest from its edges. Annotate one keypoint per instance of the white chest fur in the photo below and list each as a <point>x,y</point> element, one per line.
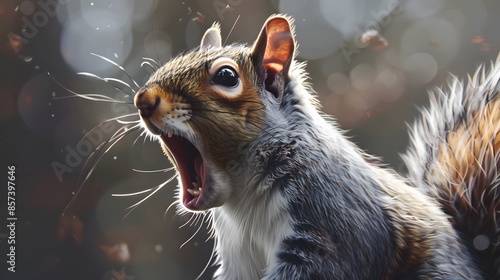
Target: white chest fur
<point>248,236</point>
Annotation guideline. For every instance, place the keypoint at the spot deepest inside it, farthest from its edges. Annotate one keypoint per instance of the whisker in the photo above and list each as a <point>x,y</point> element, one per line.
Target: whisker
<point>88,96</point>
<point>192,236</point>
<point>231,31</point>
<point>194,122</point>
<point>121,82</point>
<point>118,66</point>
<point>129,122</point>
<point>81,182</point>
<point>210,228</point>
<point>212,121</point>
<point>225,100</point>
<point>152,60</point>
<point>252,122</point>
<point>142,133</point>
<point>92,97</point>
<point>157,188</point>
<point>98,159</point>
<point>144,140</point>
<point>193,215</point>
<point>106,121</point>
<point>110,81</point>
<point>260,125</point>
<point>147,63</point>
<point>126,131</point>
<point>168,208</point>
<point>225,112</point>
<point>93,159</point>
<point>124,116</point>
<point>212,255</point>
<point>196,220</point>
<point>228,113</point>
<point>132,194</point>
<point>154,171</point>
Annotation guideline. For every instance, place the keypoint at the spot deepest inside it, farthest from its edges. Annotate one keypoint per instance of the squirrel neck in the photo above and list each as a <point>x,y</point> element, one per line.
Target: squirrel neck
<point>296,133</point>
<point>296,141</point>
<point>297,137</point>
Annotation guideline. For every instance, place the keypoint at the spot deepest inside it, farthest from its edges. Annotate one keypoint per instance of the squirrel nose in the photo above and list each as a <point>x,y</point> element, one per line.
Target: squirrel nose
<point>146,102</point>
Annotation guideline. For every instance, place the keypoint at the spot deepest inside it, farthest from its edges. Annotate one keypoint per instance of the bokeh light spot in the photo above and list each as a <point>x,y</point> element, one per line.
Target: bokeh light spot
<point>421,68</point>
<point>27,8</point>
<point>338,83</point>
<point>362,76</point>
<point>317,38</point>
<point>158,45</point>
<point>79,40</point>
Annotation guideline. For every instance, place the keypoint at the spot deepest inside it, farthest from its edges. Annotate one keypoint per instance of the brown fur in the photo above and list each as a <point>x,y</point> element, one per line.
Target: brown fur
<point>472,149</point>
<point>218,119</point>
<point>454,157</point>
<point>471,158</point>
<point>421,229</point>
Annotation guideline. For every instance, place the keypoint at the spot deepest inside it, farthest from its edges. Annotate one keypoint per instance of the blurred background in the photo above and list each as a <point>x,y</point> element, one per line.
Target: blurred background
<point>371,63</point>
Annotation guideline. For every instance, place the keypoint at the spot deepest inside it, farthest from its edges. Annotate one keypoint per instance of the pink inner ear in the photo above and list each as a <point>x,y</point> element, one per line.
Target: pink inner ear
<point>276,67</point>
<point>279,46</point>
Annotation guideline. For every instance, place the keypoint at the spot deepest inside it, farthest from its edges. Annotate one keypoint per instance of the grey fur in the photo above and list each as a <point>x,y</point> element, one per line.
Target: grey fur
<point>325,211</point>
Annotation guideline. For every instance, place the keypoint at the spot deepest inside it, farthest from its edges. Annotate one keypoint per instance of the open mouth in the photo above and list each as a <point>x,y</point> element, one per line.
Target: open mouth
<point>191,166</point>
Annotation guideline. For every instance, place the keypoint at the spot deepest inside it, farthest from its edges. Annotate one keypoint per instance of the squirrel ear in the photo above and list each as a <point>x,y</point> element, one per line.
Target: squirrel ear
<point>212,37</point>
<point>273,52</point>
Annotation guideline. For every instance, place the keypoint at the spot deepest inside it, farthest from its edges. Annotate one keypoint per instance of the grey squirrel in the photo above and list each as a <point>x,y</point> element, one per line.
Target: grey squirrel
<point>291,197</point>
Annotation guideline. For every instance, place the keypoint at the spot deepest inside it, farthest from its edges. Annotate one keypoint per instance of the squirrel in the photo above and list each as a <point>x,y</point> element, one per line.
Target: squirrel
<point>290,197</point>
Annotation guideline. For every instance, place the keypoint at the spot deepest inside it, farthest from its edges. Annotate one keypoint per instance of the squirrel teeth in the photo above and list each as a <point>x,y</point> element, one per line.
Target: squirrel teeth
<point>193,192</point>
<point>169,134</point>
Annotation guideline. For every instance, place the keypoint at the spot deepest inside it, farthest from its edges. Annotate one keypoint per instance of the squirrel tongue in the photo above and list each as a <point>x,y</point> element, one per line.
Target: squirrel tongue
<point>199,168</point>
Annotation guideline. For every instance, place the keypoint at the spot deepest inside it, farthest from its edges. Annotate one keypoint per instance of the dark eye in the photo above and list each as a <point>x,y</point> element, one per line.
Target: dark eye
<point>226,76</point>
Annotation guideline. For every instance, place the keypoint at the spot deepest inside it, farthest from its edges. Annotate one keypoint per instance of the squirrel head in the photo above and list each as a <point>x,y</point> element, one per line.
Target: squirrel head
<point>206,105</point>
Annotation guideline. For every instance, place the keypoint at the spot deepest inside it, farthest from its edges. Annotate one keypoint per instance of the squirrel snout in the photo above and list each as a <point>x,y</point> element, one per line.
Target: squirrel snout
<point>146,102</point>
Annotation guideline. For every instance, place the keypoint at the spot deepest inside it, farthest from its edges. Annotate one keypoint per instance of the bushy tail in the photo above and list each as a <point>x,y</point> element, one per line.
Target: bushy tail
<point>454,156</point>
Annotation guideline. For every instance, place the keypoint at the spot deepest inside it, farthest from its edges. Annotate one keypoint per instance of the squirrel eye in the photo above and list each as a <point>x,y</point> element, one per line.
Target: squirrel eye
<point>226,76</point>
